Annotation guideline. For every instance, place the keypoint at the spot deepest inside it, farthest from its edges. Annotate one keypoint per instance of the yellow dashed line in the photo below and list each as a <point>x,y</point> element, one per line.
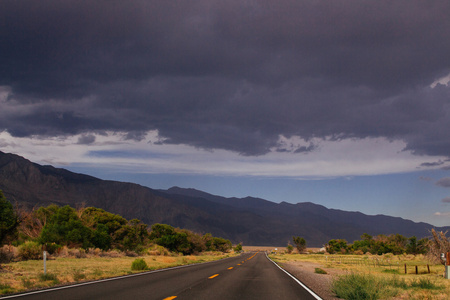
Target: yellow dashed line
<point>211,277</point>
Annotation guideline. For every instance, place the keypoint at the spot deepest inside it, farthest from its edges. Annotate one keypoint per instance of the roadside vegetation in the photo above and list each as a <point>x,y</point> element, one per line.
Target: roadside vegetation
<point>371,276</point>
<point>77,266</point>
<point>300,243</point>
<point>381,267</point>
<point>380,244</point>
<point>51,228</point>
<point>368,286</point>
<point>91,243</point>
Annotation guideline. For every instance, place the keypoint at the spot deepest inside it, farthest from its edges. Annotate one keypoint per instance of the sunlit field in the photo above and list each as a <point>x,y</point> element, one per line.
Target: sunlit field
<point>384,272</point>
<point>25,275</point>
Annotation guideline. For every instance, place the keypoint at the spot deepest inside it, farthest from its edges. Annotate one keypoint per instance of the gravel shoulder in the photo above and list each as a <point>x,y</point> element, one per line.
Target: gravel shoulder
<point>319,283</point>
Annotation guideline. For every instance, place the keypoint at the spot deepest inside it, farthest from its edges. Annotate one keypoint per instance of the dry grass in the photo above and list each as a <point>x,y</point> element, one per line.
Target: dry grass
<point>386,267</point>
<point>25,275</point>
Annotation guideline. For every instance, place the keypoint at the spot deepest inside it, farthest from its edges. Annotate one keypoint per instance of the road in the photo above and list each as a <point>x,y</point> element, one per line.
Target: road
<point>248,276</point>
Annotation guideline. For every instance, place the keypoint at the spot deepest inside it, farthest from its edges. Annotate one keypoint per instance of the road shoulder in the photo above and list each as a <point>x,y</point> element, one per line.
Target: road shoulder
<point>305,272</point>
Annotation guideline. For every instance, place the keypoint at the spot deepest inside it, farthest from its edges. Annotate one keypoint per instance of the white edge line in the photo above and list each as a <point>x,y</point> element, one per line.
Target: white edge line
<point>106,279</point>
<point>298,281</point>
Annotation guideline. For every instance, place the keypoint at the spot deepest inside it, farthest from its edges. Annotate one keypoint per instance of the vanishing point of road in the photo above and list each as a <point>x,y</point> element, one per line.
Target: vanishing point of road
<point>248,276</point>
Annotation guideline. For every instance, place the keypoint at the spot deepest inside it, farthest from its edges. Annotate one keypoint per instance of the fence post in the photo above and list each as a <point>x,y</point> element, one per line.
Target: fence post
<point>45,262</point>
<point>405,270</point>
<point>447,266</point>
<point>417,270</point>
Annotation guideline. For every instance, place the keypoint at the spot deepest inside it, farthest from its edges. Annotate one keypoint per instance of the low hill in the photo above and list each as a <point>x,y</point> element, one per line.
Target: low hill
<point>249,220</point>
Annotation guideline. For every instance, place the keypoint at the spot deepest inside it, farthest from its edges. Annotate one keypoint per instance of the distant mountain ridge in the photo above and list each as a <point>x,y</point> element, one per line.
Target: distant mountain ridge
<point>250,220</point>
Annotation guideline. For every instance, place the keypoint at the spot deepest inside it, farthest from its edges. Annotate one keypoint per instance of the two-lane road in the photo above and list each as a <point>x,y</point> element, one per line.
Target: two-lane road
<point>248,276</point>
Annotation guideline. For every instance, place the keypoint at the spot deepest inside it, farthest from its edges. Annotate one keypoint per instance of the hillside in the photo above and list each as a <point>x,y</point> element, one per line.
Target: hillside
<point>252,221</point>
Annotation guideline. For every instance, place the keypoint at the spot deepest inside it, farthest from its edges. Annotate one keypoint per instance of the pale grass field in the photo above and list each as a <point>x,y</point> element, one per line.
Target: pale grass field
<point>386,266</point>
<point>24,275</point>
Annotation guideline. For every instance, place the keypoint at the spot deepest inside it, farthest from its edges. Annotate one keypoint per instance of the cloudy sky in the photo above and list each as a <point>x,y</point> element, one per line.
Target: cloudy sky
<point>341,103</point>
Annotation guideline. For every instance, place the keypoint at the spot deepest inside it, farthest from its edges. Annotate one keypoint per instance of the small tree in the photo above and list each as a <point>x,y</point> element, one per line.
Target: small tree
<point>439,244</point>
<point>221,244</point>
<point>65,228</point>
<point>300,243</point>
<point>335,246</point>
<point>289,248</point>
<point>166,236</point>
<point>132,236</point>
<point>8,219</point>
<point>417,247</point>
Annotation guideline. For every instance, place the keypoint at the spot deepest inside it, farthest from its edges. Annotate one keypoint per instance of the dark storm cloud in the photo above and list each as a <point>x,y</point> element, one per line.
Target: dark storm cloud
<point>432,164</point>
<point>229,74</point>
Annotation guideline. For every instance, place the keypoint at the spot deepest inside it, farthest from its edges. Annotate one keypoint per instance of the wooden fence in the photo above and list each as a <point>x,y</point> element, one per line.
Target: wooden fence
<point>377,262</point>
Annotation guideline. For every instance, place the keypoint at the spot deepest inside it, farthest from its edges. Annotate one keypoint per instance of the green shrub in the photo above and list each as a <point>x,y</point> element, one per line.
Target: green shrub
<point>337,246</point>
<point>399,283</point>
<point>139,264</point>
<point>320,271</point>
<point>30,250</point>
<point>426,284</point>
<point>155,249</point>
<point>300,243</point>
<point>52,248</point>
<point>97,272</point>
<point>9,221</point>
<point>357,286</point>
<point>48,277</point>
<point>185,241</point>
<point>28,284</point>
<point>78,275</point>
<point>5,289</point>
<point>289,248</point>
<point>65,228</point>
<point>220,244</point>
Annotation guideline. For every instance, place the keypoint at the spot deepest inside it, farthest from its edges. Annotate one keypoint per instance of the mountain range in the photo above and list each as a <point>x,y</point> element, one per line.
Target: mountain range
<point>251,221</point>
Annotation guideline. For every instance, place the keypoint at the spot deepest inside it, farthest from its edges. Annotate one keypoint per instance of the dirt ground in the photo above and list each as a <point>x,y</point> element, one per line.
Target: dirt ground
<point>319,283</point>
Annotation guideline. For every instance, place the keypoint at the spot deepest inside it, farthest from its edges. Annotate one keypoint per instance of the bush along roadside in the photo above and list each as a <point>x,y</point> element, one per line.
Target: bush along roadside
<point>52,228</point>
<point>367,286</point>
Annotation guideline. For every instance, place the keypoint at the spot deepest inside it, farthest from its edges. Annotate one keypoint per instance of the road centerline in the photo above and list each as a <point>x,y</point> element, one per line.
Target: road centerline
<point>258,280</point>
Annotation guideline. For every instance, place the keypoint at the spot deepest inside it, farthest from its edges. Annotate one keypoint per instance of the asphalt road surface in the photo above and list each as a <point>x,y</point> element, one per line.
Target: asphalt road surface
<point>248,276</point>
